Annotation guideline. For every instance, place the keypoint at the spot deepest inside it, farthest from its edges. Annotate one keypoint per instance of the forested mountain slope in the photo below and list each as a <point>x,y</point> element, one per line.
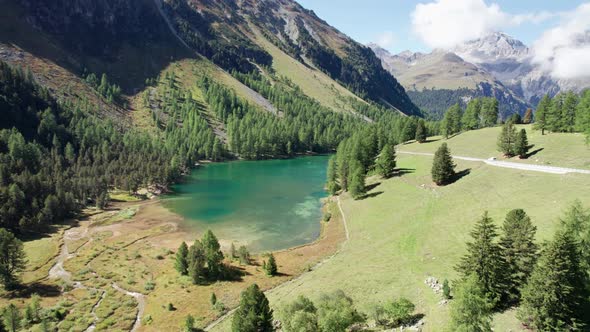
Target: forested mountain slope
<point>132,41</point>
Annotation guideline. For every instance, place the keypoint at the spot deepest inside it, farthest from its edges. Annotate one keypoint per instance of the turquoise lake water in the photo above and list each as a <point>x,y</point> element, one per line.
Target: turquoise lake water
<point>267,205</point>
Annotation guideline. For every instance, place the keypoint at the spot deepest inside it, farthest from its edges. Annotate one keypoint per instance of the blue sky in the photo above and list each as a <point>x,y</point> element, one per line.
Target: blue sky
<point>390,21</point>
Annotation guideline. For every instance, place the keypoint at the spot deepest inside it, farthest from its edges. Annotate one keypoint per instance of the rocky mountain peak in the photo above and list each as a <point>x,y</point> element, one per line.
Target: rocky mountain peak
<point>492,47</point>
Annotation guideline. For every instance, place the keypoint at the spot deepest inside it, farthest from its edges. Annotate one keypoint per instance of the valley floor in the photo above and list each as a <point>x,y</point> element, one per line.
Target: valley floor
<point>114,270</point>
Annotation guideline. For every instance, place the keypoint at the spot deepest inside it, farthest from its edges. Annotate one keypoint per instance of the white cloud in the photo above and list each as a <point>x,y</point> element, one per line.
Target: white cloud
<point>447,23</point>
<point>386,39</point>
<point>564,50</point>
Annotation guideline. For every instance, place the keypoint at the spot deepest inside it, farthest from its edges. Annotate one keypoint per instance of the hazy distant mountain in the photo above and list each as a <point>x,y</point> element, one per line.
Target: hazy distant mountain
<point>510,61</point>
<point>439,79</point>
<point>496,64</point>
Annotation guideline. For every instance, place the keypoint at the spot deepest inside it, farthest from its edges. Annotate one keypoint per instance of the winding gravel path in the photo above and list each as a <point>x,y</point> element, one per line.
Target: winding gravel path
<point>510,164</point>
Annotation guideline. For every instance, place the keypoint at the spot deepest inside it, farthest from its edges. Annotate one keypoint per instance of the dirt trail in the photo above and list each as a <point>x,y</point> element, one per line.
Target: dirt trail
<point>510,164</point>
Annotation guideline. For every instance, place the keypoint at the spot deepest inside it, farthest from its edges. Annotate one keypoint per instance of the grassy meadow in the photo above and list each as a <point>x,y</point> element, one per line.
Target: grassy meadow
<point>554,149</point>
<point>407,229</point>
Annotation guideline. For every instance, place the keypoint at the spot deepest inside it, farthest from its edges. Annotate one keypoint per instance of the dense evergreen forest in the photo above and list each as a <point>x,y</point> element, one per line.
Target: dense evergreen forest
<point>56,158</point>
<point>566,112</point>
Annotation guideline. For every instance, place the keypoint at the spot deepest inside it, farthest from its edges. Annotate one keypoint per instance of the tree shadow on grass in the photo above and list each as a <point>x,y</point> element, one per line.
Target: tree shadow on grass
<point>431,140</point>
<point>459,175</point>
<point>372,186</point>
<point>402,171</point>
<point>532,153</point>
<point>43,289</point>
<point>369,195</point>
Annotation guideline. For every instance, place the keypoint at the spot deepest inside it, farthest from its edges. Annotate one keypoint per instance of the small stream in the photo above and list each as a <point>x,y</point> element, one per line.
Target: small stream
<point>58,271</point>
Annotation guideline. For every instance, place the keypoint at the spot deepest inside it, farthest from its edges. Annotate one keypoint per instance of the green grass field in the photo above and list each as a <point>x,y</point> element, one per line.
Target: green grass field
<point>557,149</point>
<point>409,230</point>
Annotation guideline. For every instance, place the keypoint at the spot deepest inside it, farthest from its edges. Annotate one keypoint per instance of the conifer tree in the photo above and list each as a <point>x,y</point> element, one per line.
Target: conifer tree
<point>484,259</point>
<point>470,119</point>
<point>271,266</point>
<point>554,295</point>
<point>332,183</point>
<point>519,250</point>
<point>420,132</point>
<point>443,167</point>
<point>507,139</point>
<point>541,115</point>
<point>12,258</point>
<point>489,112</point>
<point>471,310</point>
<point>213,255</point>
<point>181,263</point>
<point>451,123</point>
<point>576,222</point>
<point>386,161</point>
<point>357,181</point>
<point>254,313</point>
<point>196,262</point>
<point>522,144</point>
<point>11,318</point>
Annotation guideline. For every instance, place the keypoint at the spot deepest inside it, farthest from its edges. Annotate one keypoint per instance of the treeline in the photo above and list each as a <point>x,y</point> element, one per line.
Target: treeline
<point>480,113</point>
<point>566,113</point>
<point>55,158</point>
<point>507,268</point>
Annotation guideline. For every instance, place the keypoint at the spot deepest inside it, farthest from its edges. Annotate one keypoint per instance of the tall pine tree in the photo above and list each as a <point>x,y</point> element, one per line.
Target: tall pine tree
<point>521,148</point>
<point>554,295</point>
<point>484,259</point>
<point>254,313</point>
<point>542,113</point>
<point>443,167</point>
<point>386,161</point>
<point>519,250</point>
<point>507,139</point>
<point>471,310</point>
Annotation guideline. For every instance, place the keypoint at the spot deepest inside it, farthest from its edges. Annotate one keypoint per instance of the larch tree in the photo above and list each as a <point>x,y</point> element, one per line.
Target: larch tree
<point>471,310</point>
<point>521,148</point>
<point>357,181</point>
<point>421,132</point>
<point>484,259</point>
<point>554,295</point>
<point>254,313</point>
<point>519,250</point>
<point>451,123</point>
<point>332,183</point>
<point>541,115</point>
<point>443,167</point>
<point>213,255</point>
<point>386,162</point>
<point>470,119</point>
<point>181,263</point>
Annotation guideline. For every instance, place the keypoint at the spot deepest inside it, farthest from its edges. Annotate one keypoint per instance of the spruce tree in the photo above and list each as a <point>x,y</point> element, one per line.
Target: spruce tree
<point>213,255</point>
<point>420,132</point>
<point>576,222</point>
<point>181,263</point>
<point>271,266</point>
<point>196,262</point>
<point>507,139</point>
<point>484,259</point>
<point>357,181</point>
<point>11,318</point>
<point>519,250</point>
<point>443,167</point>
<point>470,119</point>
<point>541,115</point>
<point>254,313</point>
<point>554,295</point>
<point>522,144</point>
<point>471,310</point>
<point>12,258</point>
<point>451,123</point>
<point>386,161</point>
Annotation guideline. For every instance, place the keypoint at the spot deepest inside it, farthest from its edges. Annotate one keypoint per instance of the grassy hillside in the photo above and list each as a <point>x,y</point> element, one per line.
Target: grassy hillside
<point>557,149</point>
<point>408,230</point>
